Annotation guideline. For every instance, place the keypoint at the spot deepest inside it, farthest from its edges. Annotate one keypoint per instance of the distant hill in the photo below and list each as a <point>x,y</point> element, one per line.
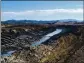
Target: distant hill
<point>13,22</point>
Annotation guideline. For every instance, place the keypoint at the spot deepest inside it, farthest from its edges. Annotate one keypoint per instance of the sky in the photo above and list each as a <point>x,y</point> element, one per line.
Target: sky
<point>41,10</point>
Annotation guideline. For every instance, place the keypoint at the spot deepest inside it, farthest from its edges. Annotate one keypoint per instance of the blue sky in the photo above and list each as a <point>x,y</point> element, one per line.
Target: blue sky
<point>41,10</point>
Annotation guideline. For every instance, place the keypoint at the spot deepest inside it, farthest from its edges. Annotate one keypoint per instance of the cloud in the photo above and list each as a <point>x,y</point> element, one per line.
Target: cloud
<point>44,12</point>
<point>49,14</point>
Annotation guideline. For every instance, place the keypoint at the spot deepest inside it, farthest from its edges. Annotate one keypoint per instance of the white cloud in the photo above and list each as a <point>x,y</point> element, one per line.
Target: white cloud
<point>49,14</point>
<point>44,12</point>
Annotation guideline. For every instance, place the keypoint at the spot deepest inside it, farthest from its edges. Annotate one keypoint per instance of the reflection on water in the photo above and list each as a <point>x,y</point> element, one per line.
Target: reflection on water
<point>46,37</point>
<point>54,33</point>
<point>8,53</point>
<point>40,41</point>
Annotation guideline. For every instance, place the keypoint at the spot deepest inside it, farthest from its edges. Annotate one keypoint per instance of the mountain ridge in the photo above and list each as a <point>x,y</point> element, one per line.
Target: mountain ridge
<point>39,21</point>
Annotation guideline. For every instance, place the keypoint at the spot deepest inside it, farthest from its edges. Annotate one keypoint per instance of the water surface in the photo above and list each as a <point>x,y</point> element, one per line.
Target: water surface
<point>8,53</point>
<point>46,37</point>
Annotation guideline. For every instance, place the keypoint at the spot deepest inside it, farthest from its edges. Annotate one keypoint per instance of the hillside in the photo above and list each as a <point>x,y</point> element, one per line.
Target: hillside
<point>68,48</point>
